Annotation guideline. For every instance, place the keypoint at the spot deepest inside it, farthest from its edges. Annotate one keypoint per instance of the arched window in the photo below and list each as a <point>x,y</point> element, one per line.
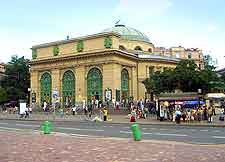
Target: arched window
<point>94,84</point>
<point>189,55</point>
<point>150,50</point>
<point>68,88</point>
<point>122,48</point>
<point>124,84</point>
<point>46,88</point>
<point>138,48</point>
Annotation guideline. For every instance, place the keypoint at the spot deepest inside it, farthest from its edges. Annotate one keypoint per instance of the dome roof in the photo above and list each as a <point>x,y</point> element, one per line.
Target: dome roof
<point>128,33</point>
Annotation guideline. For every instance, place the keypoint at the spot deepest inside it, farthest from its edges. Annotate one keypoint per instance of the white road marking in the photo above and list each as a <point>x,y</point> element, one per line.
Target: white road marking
<point>127,132</point>
<point>6,128</point>
<point>204,130</point>
<point>27,125</point>
<point>147,133</point>
<point>168,134</point>
<point>163,129</point>
<point>79,135</point>
<point>216,131</point>
<point>95,130</point>
<point>144,128</point>
<point>126,127</point>
<point>4,123</point>
<point>218,136</point>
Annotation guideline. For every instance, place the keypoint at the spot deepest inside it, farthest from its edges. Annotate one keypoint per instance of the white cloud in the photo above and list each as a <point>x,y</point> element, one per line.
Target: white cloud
<point>141,9</point>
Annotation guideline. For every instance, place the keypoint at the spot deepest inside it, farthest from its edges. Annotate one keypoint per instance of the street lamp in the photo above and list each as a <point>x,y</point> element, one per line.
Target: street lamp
<point>199,95</point>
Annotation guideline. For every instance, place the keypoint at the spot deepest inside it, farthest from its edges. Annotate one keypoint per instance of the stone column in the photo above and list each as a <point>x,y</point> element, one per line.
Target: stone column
<point>81,83</point>
<point>134,83</point>
<point>35,85</point>
<point>111,78</point>
<point>56,82</point>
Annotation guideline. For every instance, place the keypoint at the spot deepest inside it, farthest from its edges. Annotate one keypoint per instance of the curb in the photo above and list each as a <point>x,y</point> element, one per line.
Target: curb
<point>160,124</point>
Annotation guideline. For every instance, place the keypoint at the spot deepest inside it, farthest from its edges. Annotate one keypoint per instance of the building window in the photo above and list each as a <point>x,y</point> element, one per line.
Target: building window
<point>122,48</point>
<point>124,84</point>
<point>189,55</point>
<point>94,84</point>
<point>46,88</point>
<point>68,89</point>
<point>150,50</point>
<point>177,55</point>
<point>138,48</point>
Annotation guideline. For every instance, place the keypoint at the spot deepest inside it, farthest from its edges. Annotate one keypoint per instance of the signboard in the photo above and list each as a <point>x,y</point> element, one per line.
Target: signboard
<point>55,96</point>
<point>33,97</point>
<point>108,95</point>
<point>23,107</point>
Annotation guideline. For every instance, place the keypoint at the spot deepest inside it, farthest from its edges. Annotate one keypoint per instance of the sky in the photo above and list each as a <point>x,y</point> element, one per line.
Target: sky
<point>167,23</point>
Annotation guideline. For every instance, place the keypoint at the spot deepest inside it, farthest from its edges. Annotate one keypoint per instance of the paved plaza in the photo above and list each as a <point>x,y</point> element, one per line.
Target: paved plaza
<point>36,147</point>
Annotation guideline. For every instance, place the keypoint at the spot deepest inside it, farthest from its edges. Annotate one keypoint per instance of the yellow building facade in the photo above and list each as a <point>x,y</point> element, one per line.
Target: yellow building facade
<point>107,65</point>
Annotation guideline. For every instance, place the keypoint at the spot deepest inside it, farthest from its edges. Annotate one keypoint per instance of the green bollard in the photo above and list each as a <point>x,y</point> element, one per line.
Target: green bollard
<point>136,132</point>
<point>46,127</point>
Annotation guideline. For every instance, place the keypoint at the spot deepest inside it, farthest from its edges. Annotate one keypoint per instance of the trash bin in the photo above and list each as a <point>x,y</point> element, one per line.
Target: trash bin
<point>46,127</point>
<point>136,132</point>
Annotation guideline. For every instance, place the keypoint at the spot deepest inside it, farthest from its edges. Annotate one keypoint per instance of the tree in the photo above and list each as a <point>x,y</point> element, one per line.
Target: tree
<point>186,77</point>
<point>17,78</point>
<point>3,95</point>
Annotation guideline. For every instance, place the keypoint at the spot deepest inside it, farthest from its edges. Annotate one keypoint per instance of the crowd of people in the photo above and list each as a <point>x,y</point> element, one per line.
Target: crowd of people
<point>181,113</point>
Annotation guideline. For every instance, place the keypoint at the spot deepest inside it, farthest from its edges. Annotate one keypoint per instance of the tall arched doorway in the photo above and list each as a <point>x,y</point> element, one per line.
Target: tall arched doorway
<point>124,84</point>
<point>46,88</point>
<point>94,84</point>
<point>68,88</point>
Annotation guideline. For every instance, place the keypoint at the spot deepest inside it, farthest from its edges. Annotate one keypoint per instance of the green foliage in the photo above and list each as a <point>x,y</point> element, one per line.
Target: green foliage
<point>3,95</point>
<point>56,51</point>
<point>186,77</point>
<point>108,42</point>
<point>17,79</point>
<point>80,46</point>
<point>209,63</point>
<point>223,77</point>
<point>34,53</point>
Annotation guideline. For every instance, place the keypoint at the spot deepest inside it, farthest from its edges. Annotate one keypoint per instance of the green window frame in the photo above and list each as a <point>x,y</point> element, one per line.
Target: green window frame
<point>94,84</point>
<point>124,84</point>
<point>68,88</point>
<point>46,88</point>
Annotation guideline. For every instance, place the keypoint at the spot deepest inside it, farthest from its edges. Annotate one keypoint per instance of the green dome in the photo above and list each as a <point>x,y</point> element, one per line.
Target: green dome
<point>128,33</point>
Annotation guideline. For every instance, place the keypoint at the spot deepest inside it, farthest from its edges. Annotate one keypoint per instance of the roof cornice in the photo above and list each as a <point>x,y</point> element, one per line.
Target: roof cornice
<point>101,52</point>
<point>76,39</point>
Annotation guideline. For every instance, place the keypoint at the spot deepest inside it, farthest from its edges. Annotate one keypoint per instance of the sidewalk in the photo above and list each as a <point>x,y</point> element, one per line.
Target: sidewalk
<point>36,147</point>
<point>116,119</point>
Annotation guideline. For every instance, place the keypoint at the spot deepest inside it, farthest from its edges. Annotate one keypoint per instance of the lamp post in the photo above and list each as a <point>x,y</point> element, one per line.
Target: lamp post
<point>199,95</point>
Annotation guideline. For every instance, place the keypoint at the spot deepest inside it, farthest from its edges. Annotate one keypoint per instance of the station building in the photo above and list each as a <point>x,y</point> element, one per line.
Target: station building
<point>110,64</point>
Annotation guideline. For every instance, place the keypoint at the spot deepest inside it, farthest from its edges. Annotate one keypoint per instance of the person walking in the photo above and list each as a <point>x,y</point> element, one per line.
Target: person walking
<point>74,110</point>
<point>210,114</point>
<point>178,116</point>
<point>105,113</point>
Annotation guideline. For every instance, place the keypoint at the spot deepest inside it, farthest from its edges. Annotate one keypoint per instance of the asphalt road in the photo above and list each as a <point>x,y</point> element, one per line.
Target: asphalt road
<point>187,134</point>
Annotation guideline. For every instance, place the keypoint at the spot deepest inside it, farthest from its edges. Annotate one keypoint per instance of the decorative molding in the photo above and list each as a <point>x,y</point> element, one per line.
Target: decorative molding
<point>55,50</point>
<point>108,42</point>
<point>80,46</point>
<point>34,53</point>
